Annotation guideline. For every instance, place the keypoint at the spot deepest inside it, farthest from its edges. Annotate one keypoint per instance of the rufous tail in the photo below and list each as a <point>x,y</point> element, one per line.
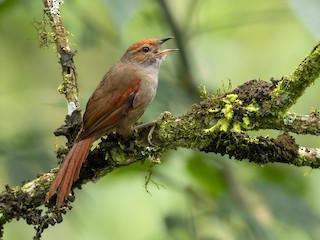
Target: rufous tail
<point>69,170</point>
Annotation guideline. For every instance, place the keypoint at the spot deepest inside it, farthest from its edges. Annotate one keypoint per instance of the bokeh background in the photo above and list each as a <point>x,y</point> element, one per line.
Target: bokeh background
<point>199,196</point>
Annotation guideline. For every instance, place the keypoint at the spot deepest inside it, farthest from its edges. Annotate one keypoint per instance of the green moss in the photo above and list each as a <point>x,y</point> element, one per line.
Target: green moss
<point>231,98</point>
<point>61,89</point>
<point>230,107</point>
<point>289,118</point>
<point>167,129</point>
<point>222,125</point>
<point>228,111</point>
<point>203,92</point>
<point>315,112</point>
<point>289,89</point>
<point>246,121</point>
<point>214,110</point>
<point>236,127</point>
<point>252,108</point>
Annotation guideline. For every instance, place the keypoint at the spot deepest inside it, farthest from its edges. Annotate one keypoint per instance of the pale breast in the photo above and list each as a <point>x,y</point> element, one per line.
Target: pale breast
<point>142,99</point>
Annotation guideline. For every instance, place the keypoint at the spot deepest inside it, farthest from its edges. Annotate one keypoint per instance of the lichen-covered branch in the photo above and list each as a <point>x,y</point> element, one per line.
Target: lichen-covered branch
<point>291,88</point>
<point>188,131</point>
<point>300,124</point>
<point>69,85</point>
<point>218,124</point>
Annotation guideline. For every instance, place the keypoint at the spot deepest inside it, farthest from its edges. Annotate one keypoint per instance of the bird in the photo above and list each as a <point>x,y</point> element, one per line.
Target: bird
<point>116,104</point>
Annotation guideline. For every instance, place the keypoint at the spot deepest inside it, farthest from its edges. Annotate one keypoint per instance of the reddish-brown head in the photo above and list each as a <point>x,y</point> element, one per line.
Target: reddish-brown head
<point>147,51</point>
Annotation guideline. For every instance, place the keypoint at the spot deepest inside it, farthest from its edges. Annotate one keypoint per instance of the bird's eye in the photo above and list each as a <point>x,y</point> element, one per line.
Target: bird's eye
<point>145,49</point>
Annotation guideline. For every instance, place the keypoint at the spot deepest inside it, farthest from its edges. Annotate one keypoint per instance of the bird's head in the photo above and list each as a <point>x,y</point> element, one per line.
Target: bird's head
<point>147,52</point>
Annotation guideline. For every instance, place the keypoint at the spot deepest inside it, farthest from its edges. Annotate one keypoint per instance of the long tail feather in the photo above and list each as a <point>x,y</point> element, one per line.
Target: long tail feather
<point>69,170</point>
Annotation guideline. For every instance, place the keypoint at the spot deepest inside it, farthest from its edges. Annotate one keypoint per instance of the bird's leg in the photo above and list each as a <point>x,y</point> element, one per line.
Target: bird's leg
<point>153,125</point>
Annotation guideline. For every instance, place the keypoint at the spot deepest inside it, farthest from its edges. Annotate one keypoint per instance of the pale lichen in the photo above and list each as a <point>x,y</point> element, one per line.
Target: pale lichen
<point>289,118</point>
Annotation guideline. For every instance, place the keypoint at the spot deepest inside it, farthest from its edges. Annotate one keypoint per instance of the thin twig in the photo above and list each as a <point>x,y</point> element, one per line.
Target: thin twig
<point>69,84</point>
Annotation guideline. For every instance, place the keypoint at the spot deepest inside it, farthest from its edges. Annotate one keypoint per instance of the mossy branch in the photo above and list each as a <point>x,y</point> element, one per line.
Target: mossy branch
<point>69,84</point>
<point>291,88</point>
<point>300,124</point>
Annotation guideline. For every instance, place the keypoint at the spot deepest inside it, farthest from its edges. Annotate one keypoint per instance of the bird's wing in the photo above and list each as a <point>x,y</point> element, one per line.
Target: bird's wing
<point>107,107</point>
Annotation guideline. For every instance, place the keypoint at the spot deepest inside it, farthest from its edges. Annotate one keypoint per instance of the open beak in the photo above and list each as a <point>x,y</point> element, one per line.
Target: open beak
<point>166,51</point>
<point>165,39</point>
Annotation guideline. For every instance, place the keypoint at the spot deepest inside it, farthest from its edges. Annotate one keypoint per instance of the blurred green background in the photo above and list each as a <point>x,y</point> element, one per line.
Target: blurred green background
<point>202,196</point>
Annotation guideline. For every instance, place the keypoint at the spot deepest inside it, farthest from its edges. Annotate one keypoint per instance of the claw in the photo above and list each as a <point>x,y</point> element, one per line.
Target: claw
<point>150,134</point>
<point>153,125</point>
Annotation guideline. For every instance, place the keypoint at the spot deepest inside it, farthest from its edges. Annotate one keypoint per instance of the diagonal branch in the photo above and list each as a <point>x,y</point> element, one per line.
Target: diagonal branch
<point>186,131</point>
<point>291,88</point>
<point>218,124</point>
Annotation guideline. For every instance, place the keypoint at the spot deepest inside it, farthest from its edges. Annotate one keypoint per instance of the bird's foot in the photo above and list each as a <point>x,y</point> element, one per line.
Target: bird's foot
<point>153,125</point>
